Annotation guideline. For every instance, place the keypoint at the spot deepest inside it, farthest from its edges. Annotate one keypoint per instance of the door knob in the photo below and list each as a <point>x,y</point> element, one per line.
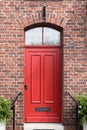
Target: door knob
<point>26,86</point>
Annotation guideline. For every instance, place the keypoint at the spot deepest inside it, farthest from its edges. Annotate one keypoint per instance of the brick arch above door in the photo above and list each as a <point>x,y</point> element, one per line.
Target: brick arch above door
<point>56,19</point>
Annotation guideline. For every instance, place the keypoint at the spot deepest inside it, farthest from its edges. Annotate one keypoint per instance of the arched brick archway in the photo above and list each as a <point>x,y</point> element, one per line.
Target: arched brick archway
<point>37,18</point>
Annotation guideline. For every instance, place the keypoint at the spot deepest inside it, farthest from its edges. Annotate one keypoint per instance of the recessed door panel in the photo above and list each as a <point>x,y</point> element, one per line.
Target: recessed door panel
<point>49,77</point>
<point>35,75</point>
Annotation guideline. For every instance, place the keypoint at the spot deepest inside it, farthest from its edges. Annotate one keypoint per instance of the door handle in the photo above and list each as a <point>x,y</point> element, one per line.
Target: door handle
<point>26,86</point>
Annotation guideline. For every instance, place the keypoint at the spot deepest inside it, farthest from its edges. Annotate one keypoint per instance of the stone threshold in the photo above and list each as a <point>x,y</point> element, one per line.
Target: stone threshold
<point>43,126</point>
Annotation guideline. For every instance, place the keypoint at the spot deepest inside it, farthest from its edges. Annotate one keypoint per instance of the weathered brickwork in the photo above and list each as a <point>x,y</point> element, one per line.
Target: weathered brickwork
<point>15,15</point>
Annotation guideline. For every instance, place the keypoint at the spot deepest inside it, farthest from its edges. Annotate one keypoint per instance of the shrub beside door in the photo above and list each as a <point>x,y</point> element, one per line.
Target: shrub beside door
<point>82,99</point>
<point>5,112</point>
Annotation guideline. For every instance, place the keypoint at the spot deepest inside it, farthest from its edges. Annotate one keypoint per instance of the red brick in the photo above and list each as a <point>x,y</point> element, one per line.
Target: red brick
<point>14,17</point>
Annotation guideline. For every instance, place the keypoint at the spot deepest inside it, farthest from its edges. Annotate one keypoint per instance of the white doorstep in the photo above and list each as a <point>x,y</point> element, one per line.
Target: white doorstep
<point>43,126</point>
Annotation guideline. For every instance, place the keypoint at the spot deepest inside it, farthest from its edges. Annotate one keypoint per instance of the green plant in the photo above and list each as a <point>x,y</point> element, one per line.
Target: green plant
<point>82,99</point>
<point>5,109</point>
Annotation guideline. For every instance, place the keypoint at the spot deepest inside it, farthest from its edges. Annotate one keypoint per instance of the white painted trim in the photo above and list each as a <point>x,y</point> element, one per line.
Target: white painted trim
<point>2,126</point>
<point>84,126</point>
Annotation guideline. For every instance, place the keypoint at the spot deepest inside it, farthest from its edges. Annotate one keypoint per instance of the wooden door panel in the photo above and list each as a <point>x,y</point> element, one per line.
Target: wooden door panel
<point>43,96</point>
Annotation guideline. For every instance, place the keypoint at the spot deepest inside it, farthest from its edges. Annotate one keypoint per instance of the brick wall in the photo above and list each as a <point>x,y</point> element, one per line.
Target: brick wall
<point>15,15</point>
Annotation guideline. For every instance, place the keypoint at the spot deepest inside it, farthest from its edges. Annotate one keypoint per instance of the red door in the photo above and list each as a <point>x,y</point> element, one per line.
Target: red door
<point>42,84</point>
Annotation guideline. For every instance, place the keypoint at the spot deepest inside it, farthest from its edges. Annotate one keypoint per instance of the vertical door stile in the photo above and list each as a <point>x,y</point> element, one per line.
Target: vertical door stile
<point>41,78</point>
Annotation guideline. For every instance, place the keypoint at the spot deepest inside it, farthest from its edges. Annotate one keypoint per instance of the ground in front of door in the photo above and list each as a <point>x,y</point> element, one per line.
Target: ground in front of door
<point>43,126</point>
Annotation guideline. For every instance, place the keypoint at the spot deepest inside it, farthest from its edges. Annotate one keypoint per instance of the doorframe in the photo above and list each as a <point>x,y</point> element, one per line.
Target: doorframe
<point>58,28</point>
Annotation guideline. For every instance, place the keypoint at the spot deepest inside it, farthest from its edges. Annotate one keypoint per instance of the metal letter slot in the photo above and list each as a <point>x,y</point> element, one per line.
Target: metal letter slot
<point>42,109</point>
